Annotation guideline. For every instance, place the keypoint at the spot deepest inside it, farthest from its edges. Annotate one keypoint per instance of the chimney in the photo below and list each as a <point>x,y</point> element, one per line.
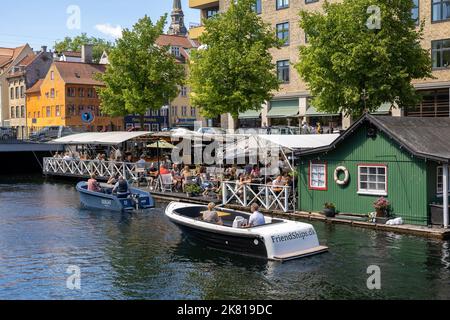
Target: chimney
<point>86,53</point>
<point>44,48</point>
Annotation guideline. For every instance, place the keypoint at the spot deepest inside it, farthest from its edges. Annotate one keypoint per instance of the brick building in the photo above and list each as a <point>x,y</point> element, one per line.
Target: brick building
<point>290,104</point>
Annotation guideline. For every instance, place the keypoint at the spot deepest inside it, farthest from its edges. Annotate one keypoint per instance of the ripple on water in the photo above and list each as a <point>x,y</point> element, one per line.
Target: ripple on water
<point>43,231</point>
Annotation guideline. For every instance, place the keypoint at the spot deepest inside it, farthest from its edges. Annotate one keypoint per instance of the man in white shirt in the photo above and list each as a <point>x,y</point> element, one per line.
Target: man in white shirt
<point>257,218</point>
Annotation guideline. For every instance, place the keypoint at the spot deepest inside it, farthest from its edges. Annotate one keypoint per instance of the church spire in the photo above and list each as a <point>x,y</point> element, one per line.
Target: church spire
<point>177,26</point>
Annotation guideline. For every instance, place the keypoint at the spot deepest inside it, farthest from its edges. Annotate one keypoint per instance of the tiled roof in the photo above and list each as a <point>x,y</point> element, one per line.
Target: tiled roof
<point>425,138</point>
<point>36,88</point>
<point>8,55</point>
<point>180,41</point>
<point>27,60</point>
<point>73,54</point>
<point>79,73</point>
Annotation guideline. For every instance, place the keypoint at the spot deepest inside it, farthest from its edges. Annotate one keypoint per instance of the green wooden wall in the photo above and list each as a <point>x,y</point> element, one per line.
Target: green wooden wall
<point>410,187</point>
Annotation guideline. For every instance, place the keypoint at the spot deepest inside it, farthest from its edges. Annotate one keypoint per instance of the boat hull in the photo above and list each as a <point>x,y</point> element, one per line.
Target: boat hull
<point>278,239</point>
<point>252,246</point>
<point>105,201</point>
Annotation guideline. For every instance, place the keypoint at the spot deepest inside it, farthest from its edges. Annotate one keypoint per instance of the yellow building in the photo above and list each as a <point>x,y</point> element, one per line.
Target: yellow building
<point>67,97</point>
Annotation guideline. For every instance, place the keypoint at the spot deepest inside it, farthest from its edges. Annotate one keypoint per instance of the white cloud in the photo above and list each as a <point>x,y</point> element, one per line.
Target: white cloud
<point>112,31</point>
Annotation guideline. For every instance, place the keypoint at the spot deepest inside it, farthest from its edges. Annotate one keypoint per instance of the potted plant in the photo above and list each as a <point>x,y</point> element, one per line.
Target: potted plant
<point>382,207</point>
<point>193,190</point>
<point>329,210</point>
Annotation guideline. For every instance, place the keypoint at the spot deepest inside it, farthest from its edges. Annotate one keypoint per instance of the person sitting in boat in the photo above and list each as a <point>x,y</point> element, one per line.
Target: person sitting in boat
<point>211,215</point>
<point>93,184</point>
<point>121,189</point>
<point>257,218</point>
<point>113,180</point>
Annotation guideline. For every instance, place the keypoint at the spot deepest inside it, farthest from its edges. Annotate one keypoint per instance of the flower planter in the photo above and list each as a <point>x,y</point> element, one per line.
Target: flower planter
<point>381,213</point>
<point>329,213</point>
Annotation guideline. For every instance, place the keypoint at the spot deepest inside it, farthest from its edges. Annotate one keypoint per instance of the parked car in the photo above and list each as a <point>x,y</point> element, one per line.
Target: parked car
<point>7,133</point>
<point>51,133</point>
<point>211,130</point>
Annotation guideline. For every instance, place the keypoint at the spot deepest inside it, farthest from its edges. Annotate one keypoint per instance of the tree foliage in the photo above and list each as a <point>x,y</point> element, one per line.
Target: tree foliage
<point>234,73</point>
<point>141,76</point>
<point>352,68</point>
<point>75,44</point>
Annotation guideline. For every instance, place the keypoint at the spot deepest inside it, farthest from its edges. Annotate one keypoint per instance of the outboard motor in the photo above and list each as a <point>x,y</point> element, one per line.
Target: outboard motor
<point>135,197</point>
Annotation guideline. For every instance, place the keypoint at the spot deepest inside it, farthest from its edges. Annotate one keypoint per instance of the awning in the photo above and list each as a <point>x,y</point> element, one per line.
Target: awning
<point>283,109</point>
<point>101,138</point>
<point>304,141</point>
<point>312,112</point>
<point>161,144</point>
<point>250,114</point>
<point>384,109</point>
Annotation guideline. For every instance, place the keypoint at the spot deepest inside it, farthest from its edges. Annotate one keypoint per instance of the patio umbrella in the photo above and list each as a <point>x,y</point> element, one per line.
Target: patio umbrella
<point>161,144</point>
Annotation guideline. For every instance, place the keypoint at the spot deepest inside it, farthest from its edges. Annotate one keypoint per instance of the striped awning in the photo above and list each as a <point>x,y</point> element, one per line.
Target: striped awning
<point>283,109</point>
<point>384,109</point>
<point>312,112</point>
<point>250,114</point>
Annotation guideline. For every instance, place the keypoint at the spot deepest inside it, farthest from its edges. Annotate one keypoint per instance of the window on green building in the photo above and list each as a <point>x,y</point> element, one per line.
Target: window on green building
<point>317,176</point>
<point>440,181</point>
<point>372,180</point>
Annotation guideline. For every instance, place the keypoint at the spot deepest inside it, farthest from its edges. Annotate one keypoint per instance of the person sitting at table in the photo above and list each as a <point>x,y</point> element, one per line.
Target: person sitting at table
<point>177,178</point>
<point>205,181</point>
<point>187,176</point>
<point>93,184</point>
<point>256,172</point>
<point>163,169</point>
<point>278,184</point>
<point>141,164</point>
<point>212,216</point>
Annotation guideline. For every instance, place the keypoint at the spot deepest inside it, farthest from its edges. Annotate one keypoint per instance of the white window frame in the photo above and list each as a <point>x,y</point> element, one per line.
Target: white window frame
<point>439,191</point>
<point>322,165</point>
<point>371,191</point>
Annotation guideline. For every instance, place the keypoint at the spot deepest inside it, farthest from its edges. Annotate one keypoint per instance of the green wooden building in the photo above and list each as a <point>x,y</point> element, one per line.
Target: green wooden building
<point>402,159</point>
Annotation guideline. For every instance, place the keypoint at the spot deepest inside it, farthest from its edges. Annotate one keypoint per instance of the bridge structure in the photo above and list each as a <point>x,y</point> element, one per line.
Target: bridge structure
<point>21,157</point>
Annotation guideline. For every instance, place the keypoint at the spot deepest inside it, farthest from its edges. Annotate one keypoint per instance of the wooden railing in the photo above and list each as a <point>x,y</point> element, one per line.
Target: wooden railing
<point>264,195</point>
<point>84,168</point>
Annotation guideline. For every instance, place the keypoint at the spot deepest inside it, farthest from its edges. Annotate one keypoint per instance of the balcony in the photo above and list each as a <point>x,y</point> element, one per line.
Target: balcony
<point>196,32</point>
<point>202,4</point>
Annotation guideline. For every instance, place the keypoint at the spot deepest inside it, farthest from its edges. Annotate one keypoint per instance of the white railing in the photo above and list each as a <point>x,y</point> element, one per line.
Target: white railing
<point>264,195</point>
<point>84,168</point>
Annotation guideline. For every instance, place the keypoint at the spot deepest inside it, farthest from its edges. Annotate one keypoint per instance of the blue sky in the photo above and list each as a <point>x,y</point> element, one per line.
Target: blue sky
<point>46,21</point>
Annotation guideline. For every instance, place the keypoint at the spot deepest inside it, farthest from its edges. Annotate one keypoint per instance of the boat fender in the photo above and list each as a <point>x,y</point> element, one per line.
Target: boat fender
<point>346,176</point>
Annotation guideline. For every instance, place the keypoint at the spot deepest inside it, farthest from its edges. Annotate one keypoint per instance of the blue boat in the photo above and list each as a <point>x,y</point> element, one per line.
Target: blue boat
<point>105,200</point>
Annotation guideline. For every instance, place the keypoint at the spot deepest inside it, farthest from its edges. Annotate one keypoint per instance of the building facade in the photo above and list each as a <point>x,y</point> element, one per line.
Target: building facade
<point>291,104</point>
<point>67,97</point>
<point>21,77</point>
<point>9,58</point>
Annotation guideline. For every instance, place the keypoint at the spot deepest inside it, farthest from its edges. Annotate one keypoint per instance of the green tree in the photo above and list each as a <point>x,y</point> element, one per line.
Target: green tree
<point>234,72</point>
<point>141,76</point>
<point>75,44</point>
<point>354,66</point>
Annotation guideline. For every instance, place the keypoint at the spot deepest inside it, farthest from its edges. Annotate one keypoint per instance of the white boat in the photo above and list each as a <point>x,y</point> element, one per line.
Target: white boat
<point>278,239</point>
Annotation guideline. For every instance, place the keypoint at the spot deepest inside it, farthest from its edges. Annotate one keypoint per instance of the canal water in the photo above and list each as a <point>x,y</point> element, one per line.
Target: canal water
<point>43,231</point>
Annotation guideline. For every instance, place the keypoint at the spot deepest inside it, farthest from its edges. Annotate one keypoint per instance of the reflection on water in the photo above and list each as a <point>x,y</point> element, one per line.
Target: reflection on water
<point>143,256</point>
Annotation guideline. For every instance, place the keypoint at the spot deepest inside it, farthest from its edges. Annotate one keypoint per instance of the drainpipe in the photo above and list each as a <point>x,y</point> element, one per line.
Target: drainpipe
<point>445,194</point>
